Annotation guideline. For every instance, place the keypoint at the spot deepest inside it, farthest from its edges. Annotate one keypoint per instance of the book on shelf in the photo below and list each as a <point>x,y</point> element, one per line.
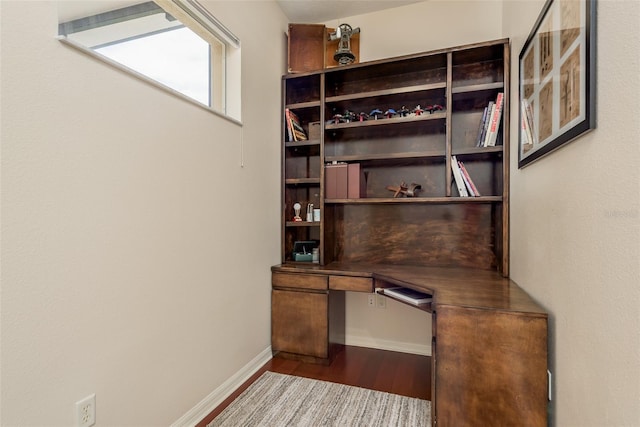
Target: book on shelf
<point>482,127</point>
<point>408,295</point>
<point>471,186</point>
<point>287,123</point>
<point>487,121</point>
<point>457,176</point>
<point>336,180</point>
<point>494,124</point>
<point>295,131</point>
<point>356,182</point>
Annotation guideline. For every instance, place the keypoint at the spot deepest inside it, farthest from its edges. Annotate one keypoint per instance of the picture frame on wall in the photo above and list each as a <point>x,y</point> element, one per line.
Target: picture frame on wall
<point>557,80</point>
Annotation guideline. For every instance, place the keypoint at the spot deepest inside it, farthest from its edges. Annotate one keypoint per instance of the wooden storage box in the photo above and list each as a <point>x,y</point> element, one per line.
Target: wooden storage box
<point>314,131</point>
<point>310,49</point>
<point>306,47</point>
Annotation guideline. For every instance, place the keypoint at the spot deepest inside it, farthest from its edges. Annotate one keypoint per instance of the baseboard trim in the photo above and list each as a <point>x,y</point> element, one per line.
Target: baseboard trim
<point>402,347</point>
<point>217,396</point>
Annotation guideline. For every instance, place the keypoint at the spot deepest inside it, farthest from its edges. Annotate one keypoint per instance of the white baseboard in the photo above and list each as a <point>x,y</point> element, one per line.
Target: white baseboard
<point>217,396</point>
<point>402,347</point>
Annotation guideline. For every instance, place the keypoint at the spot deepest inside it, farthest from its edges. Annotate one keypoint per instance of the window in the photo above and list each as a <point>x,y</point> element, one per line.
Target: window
<point>180,45</point>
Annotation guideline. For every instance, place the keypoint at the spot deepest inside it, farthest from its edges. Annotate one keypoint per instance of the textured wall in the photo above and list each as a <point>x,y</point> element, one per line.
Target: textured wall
<point>575,231</point>
<point>134,264</point>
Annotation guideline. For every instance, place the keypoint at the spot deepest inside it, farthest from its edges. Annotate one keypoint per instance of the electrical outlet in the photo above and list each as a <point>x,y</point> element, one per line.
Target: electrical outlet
<point>371,300</point>
<point>381,301</point>
<point>86,411</point>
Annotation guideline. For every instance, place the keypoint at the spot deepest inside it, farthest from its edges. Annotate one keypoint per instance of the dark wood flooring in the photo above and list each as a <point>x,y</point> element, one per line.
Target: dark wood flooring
<point>399,373</point>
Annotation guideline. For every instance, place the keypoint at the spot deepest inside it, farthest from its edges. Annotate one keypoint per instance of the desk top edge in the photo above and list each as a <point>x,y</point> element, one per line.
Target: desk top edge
<point>460,287</point>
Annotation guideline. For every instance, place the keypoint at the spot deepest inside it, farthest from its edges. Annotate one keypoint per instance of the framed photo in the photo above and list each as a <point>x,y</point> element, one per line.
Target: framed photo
<point>557,79</point>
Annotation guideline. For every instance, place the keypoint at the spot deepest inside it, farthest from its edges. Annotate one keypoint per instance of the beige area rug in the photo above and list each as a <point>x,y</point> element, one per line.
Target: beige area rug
<point>276,400</point>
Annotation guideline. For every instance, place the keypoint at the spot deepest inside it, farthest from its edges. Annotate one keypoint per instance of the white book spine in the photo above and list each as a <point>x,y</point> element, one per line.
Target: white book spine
<point>457,175</point>
<point>488,134</point>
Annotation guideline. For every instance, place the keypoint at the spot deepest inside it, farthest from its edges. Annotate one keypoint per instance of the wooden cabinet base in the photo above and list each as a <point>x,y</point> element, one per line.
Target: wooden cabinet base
<point>306,322</point>
<point>490,368</point>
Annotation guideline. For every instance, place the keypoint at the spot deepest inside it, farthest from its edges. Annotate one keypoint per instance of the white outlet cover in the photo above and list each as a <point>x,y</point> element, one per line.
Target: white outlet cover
<point>86,411</point>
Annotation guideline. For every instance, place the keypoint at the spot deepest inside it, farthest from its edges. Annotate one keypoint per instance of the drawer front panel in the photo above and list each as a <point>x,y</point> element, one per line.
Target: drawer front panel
<point>300,281</point>
<point>348,283</point>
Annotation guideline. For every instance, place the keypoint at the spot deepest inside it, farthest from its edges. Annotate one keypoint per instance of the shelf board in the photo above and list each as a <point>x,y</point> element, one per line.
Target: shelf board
<point>302,181</point>
<point>294,144</point>
<point>477,150</point>
<point>477,88</point>
<point>384,92</point>
<point>386,156</point>
<point>416,200</point>
<point>301,105</point>
<point>302,224</point>
<point>388,122</point>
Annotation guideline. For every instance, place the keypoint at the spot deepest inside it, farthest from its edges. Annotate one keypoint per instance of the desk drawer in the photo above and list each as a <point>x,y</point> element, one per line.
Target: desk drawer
<point>348,283</point>
<point>299,281</point>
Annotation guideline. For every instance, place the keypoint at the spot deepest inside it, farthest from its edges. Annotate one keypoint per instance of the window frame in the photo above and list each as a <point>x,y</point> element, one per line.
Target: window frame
<point>195,17</point>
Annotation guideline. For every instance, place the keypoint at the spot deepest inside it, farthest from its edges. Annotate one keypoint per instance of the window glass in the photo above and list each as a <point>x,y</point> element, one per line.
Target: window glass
<point>176,58</point>
<point>184,54</point>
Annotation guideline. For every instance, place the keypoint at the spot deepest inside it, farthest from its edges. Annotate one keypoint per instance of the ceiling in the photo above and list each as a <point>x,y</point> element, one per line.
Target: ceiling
<point>318,11</point>
<point>297,11</point>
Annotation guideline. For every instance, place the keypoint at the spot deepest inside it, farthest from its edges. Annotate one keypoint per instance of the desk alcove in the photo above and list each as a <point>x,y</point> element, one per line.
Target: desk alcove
<point>489,338</point>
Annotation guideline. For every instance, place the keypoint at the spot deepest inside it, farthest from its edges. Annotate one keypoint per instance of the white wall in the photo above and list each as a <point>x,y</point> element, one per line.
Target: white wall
<point>575,231</point>
<point>134,264</point>
<point>415,28</point>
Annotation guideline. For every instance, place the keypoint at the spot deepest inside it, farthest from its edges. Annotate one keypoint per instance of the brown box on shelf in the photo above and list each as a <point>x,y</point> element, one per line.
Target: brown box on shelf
<point>357,186</point>
<point>336,178</point>
<point>314,131</point>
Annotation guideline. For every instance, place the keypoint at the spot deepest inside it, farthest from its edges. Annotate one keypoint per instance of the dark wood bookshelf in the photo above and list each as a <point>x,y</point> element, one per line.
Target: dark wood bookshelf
<point>410,149</point>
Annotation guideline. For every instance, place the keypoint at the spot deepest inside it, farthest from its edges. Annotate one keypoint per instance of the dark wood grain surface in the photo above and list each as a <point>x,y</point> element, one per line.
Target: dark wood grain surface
<point>463,287</point>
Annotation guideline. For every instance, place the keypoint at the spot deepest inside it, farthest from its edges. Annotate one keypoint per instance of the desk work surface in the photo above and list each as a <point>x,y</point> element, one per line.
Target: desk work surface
<point>462,287</point>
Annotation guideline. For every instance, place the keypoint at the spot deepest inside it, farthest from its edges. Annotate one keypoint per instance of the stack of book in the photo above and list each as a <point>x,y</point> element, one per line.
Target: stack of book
<point>490,123</point>
<point>464,183</point>
<point>295,131</point>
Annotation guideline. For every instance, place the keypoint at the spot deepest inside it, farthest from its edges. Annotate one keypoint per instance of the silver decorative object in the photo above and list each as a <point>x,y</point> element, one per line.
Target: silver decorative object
<point>343,55</point>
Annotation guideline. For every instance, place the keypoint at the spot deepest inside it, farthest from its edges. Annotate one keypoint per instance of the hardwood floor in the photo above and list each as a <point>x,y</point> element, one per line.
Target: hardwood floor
<point>389,371</point>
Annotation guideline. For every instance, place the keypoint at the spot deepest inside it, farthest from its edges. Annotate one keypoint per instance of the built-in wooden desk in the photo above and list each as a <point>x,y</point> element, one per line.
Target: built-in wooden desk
<point>489,346</point>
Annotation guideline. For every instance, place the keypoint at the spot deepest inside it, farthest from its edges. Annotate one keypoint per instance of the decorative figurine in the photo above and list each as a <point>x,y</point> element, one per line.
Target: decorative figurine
<point>363,116</point>
<point>404,189</point>
<point>337,118</point>
<point>349,116</point>
<point>296,210</point>
<point>418,110</point>
<point>390,113</point>
<point>343,55</point>
<point>432,108</point>
<point>404,112</point>
<point>376,114</point>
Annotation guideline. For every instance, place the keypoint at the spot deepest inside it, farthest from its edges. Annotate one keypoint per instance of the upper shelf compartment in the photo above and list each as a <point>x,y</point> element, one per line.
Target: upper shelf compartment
<point>302,91</point>
<point>478,69</point>
<point>384,78</point>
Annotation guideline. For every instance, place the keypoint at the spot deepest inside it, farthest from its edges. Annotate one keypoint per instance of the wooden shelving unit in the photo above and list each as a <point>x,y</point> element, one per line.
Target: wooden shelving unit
<point>436,223</point>
<point>454,248</point>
